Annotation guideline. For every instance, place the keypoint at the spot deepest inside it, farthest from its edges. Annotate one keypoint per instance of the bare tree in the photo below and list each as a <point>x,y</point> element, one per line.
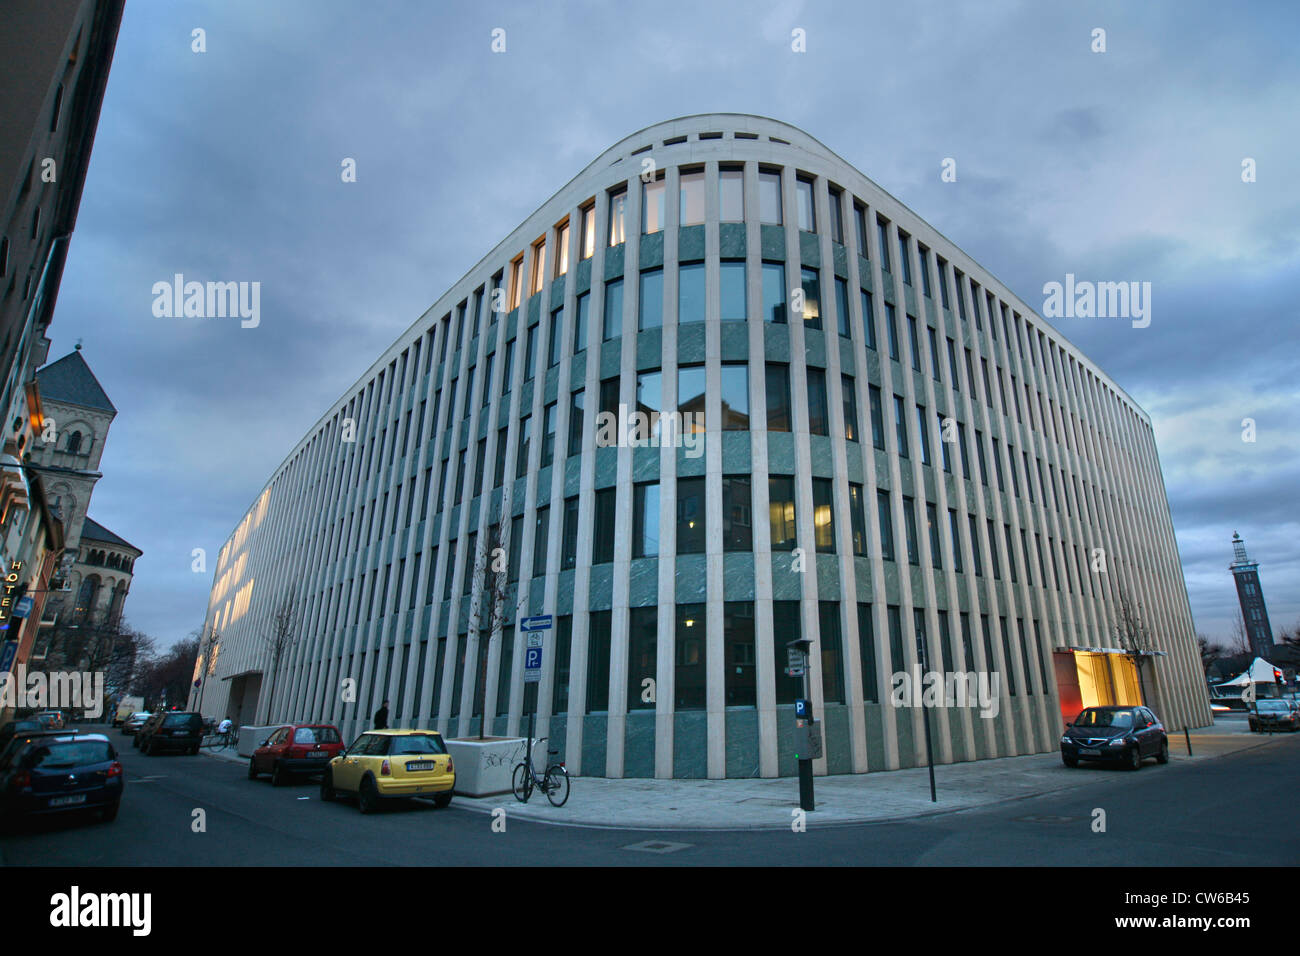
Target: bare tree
<point>206,666</point>
<point>1209,652</point>
<point>282,636</point>
<point>166,679</point>
<point>1130,631</point>
<point>1238,644</point>
<point>489,616</point>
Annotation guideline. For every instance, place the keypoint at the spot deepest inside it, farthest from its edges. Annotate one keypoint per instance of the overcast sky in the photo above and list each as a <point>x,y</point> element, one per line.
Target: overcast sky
<point>1122,165</point>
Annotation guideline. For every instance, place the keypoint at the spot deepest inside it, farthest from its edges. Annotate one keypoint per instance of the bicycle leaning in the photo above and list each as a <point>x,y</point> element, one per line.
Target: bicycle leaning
<point>554,782</point>
<point>219,742</point>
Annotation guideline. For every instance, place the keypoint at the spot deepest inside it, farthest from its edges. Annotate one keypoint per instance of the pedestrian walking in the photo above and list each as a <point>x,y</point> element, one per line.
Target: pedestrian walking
<point>381,717</point>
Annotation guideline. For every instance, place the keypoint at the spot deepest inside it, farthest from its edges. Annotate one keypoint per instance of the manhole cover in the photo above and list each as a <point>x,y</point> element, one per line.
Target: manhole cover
<point>656,846</point>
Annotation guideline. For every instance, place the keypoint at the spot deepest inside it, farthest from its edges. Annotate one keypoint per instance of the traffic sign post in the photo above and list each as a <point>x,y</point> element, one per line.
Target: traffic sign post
<point>533,628</point>
<point>807,732</point>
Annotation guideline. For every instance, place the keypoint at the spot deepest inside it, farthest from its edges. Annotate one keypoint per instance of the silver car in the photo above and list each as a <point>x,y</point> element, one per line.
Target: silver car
<point>133,723</point>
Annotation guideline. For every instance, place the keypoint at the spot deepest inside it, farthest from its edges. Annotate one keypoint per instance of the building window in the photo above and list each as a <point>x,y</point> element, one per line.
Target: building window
<point>569,543</point>
<point>541,541</point>
<point>884,517</point>
<point>737,514</point>
<point>598,644</point>
<point>732,292</point>
<point>909,530</point>
<point>652,299</point>
<point>645,520</point>
<point>525,438</point>
<point>690,292</point>
<point>837,215</point>
<point>617,210</point>
<point>858,519</point>
<point>891,326</point>
<point>774,292</point>
<point>652,205</point>
<point>849,396</point>
<point>803,189</point>
<point>549,417</point>
<point>975,548</point>
<point>812,298</point>
<point>924,255</point>
<point>602,551</point>
<point>923,434</point>
<point>690,516</point>
<point>613,318</point>
<point>882,236</point>
<point>530,353</point>
<point>828,619</point>
<point>516,292</point>
<point>642,655</point>
<point>582,313</point>
<point>932,526</point>
<point>818,415</point>
<point>690,677</point>
<point>906,259</point>
<point>778,398</point>
<point>900,427</point>
<point>769,198</point>
<point>781,509</point>
<point>577,401</point>
<point>692,198</point>
<point>785,622</point>
<point>731,195</point>
<point>691,387</point>
<point>735,396</point>
<point>877,418</point>
<point>953,531</point>
<point>842,306</point>
<point>589,230</point>
<point>867,650</point>
<point>554,344</point>
<point>868,318</point>
<point>915,343</point>
<point>741,681</point>
<point>562,249</point>
<point>823,515</point>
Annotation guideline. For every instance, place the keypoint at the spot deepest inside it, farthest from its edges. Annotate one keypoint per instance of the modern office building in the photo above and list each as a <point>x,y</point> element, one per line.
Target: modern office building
<point>893,454</point>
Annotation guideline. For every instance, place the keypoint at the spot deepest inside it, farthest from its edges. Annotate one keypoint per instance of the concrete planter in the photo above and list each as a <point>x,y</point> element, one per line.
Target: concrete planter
<point>484,767</point>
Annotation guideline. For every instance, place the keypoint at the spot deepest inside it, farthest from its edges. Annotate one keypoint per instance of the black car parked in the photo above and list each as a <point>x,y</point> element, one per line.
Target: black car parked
<point>1125,735</point>
<point>171,730</point>
<point>54,772</point>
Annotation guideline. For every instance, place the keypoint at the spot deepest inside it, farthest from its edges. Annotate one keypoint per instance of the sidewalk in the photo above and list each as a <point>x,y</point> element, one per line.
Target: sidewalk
<point>767,803</point>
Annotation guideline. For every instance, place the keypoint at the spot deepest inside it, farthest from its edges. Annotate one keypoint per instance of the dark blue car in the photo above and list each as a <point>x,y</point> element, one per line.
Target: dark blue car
<point>55,772</point>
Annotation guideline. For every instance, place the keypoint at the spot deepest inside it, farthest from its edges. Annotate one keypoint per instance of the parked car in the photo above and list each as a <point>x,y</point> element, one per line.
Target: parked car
<point>172,730</point>
<point>54,772</point>
<point>135,721</point>
<point>23,725</point>
<point>1273,714</point>
<point>295,749</point>
<point>382,764</point>
<point>51,719</point>
<point>1127,735</point>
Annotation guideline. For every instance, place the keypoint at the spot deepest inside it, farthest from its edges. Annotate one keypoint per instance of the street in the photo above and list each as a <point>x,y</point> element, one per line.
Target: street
<point>1206,814</point>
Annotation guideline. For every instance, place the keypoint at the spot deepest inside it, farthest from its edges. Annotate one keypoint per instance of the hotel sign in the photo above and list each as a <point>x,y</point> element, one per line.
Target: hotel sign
<point>7,597</point>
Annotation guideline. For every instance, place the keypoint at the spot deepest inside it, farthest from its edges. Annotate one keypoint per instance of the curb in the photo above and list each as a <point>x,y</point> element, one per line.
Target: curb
<point>837,824</point>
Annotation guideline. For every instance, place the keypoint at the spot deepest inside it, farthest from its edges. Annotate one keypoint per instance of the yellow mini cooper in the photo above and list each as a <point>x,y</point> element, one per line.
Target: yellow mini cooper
<point>382,764</point>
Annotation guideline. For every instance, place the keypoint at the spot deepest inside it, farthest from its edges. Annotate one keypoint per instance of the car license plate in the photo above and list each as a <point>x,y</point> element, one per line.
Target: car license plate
<point>67,801</point>
<point>1090,751</point>
<point>179,733</point>
<point>420,765</point>
<point>319,753</point>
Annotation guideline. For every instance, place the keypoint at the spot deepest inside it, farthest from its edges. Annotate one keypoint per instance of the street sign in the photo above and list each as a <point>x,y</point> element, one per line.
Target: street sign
<point>7,656</point>
<point>534,639</point>
<point>532,665</point>
<point>794,662</point>
<point>23,607</point>
<point>540,623</point>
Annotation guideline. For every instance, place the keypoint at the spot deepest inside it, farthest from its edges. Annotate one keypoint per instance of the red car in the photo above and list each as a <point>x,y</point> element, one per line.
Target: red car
<point>295,749</point>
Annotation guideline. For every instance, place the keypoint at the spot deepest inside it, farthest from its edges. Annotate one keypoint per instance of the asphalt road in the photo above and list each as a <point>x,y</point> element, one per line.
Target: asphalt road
<point>1232,811</point>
